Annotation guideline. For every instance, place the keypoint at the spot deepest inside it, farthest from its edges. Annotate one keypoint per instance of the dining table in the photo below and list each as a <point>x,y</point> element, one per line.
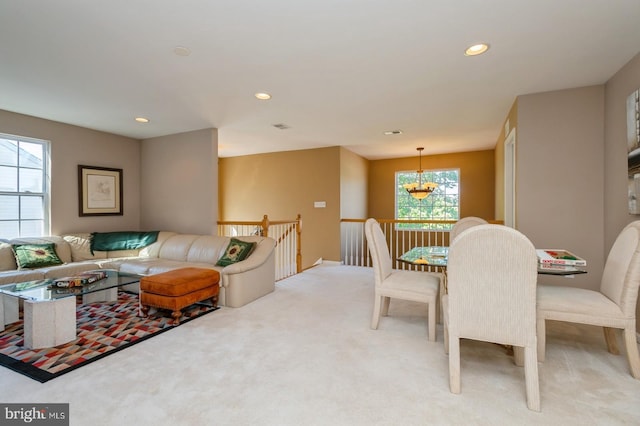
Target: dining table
<point>437,256</point>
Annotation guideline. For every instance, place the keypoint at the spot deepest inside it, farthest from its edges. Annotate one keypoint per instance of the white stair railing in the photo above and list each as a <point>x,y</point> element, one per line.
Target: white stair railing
<point>287,233</point>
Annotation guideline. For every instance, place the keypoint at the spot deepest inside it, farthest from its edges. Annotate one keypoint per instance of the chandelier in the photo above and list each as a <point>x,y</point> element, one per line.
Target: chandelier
<point>419,190</point>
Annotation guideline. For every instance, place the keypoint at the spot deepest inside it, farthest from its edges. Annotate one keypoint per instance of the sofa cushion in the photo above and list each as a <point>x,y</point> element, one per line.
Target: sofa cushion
<point>207,249</point>
<point>30,256</point>
<point>153,250</point>
<point>68,269</point>
<point>7,258</point>
<point>16,276</point>
<point>80,245</point>
<point>236,251</point>
<point>177,247</point>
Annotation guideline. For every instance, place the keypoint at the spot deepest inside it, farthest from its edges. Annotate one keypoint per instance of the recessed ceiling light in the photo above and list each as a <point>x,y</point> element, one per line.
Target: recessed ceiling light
<point>476,49</point>
<point>393,132</point>
<point>263,96</point>
<point>182,51</point>
<point>142,120</point>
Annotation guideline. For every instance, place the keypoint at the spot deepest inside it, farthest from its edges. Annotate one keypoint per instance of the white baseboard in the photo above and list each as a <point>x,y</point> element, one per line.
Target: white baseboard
<point>331,262</point>
<point>321,261</point>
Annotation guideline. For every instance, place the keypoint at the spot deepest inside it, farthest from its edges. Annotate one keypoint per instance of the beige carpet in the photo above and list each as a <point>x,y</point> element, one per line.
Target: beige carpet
<point>305,355</point>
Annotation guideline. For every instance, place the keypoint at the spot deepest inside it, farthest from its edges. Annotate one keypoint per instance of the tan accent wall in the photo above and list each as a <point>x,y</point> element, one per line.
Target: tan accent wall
<point>180,182</point>
<point>616,214</point>
<point>560,175</point>
<point>283,185</point>
<point>354,173</point>
<point>477,181</point>
<point>71,146</point>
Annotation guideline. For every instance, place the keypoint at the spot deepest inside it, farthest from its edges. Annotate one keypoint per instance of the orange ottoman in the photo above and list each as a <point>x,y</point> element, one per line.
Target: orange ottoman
<point>178,289</point>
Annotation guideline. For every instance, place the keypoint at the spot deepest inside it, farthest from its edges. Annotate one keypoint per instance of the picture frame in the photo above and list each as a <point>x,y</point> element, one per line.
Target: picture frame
<point>99,191</point>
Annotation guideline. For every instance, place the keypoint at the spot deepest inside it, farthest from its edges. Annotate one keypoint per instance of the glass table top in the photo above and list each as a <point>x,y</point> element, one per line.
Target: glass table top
<point>437,256</point>
<point>431,255</point>
<point>43,290</point>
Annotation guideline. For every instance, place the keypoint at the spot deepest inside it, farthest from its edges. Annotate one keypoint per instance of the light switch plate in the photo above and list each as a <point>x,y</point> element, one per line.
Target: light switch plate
<point>319,204</point>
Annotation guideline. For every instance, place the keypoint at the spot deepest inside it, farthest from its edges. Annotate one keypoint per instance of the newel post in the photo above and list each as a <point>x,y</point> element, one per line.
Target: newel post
<point>299,244</point>
<point>265,226</point>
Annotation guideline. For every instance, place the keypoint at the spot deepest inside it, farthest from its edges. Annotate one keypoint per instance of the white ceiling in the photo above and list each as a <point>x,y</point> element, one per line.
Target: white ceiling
<point>341,72</point>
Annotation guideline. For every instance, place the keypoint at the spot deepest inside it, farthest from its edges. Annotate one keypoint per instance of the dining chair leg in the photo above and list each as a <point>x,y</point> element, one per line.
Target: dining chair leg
<point>431,307</point>
<point>376,312</point>
<point>446,340</point>
<point>531,377</point>
<point>518,356</point>
<point>454,364</point>
<point>445,321</point>
<point>385,306</point>
<point>439,317</point>
<point>541,336</point>
<point>632,350</point>
<point>612,342</point>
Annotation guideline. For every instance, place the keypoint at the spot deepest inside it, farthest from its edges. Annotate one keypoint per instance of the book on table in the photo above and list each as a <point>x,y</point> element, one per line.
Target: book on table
<point>559,269</point>
<point>559,257</point>
<point>79,279</point>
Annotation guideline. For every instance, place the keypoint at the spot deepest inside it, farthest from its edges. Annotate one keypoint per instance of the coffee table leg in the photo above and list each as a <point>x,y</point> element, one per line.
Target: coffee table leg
<point>49,323</point>
<point>9,310</point>
<point>102,296</point>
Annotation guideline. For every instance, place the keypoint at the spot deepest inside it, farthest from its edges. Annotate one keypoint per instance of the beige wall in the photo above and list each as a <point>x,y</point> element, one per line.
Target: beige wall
<point>616,214</point>
<point>179,176</point>
<point>560,175</point>
<point>71,146</point>
<point>511,122</point>
<point>477,182</point>
<point>283,185</point>
<point>618,88</point>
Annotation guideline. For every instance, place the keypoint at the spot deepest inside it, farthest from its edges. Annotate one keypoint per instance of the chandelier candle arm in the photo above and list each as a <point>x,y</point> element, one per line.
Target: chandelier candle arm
<point>419,190</point>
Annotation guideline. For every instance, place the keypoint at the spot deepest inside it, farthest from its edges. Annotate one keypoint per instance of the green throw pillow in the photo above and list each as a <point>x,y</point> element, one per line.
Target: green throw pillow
<point>236,252</point>
<point>35,255</point>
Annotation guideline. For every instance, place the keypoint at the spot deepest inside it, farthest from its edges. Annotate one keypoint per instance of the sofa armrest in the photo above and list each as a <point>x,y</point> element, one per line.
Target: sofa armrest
<point>259,256</point>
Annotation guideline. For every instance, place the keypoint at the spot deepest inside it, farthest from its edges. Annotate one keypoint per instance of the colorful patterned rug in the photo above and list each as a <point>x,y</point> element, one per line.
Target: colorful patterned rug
<point>102,329</point>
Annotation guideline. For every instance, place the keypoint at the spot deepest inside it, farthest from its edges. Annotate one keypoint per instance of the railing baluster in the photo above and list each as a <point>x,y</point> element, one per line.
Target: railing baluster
<point>286,233</point>
<point>399,240</point>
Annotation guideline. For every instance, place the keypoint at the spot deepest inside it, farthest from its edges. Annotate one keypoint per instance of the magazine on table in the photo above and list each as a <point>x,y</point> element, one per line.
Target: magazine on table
<point>80,279</point>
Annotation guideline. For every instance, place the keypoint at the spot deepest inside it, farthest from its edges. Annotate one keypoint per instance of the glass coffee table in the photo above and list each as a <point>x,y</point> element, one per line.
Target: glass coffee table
<point>50,312</point>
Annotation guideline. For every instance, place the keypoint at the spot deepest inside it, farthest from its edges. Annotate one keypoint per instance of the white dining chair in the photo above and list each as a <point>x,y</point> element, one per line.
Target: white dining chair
<point>391,283</point>
<point>492,274</point>
<point>612,306</point>
<point>464,224</point>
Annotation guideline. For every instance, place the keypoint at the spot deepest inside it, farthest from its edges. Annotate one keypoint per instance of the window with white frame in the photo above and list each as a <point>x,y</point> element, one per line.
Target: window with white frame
<point>24,187</point>
<point>442,204</point>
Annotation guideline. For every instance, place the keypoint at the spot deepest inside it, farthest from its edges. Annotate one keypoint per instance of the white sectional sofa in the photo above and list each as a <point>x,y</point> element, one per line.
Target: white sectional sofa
<point>241,282</point>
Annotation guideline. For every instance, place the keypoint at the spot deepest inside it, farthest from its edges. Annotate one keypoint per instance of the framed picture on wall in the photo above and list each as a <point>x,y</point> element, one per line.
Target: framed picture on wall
<point>99,191</point>
<point>633,151</point>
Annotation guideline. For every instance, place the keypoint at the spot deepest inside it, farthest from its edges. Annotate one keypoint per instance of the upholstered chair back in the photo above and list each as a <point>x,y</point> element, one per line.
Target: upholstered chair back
<point>464,224</point>
<point>621,275</point>
<point>492,274</point>
<point>379,250</point>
